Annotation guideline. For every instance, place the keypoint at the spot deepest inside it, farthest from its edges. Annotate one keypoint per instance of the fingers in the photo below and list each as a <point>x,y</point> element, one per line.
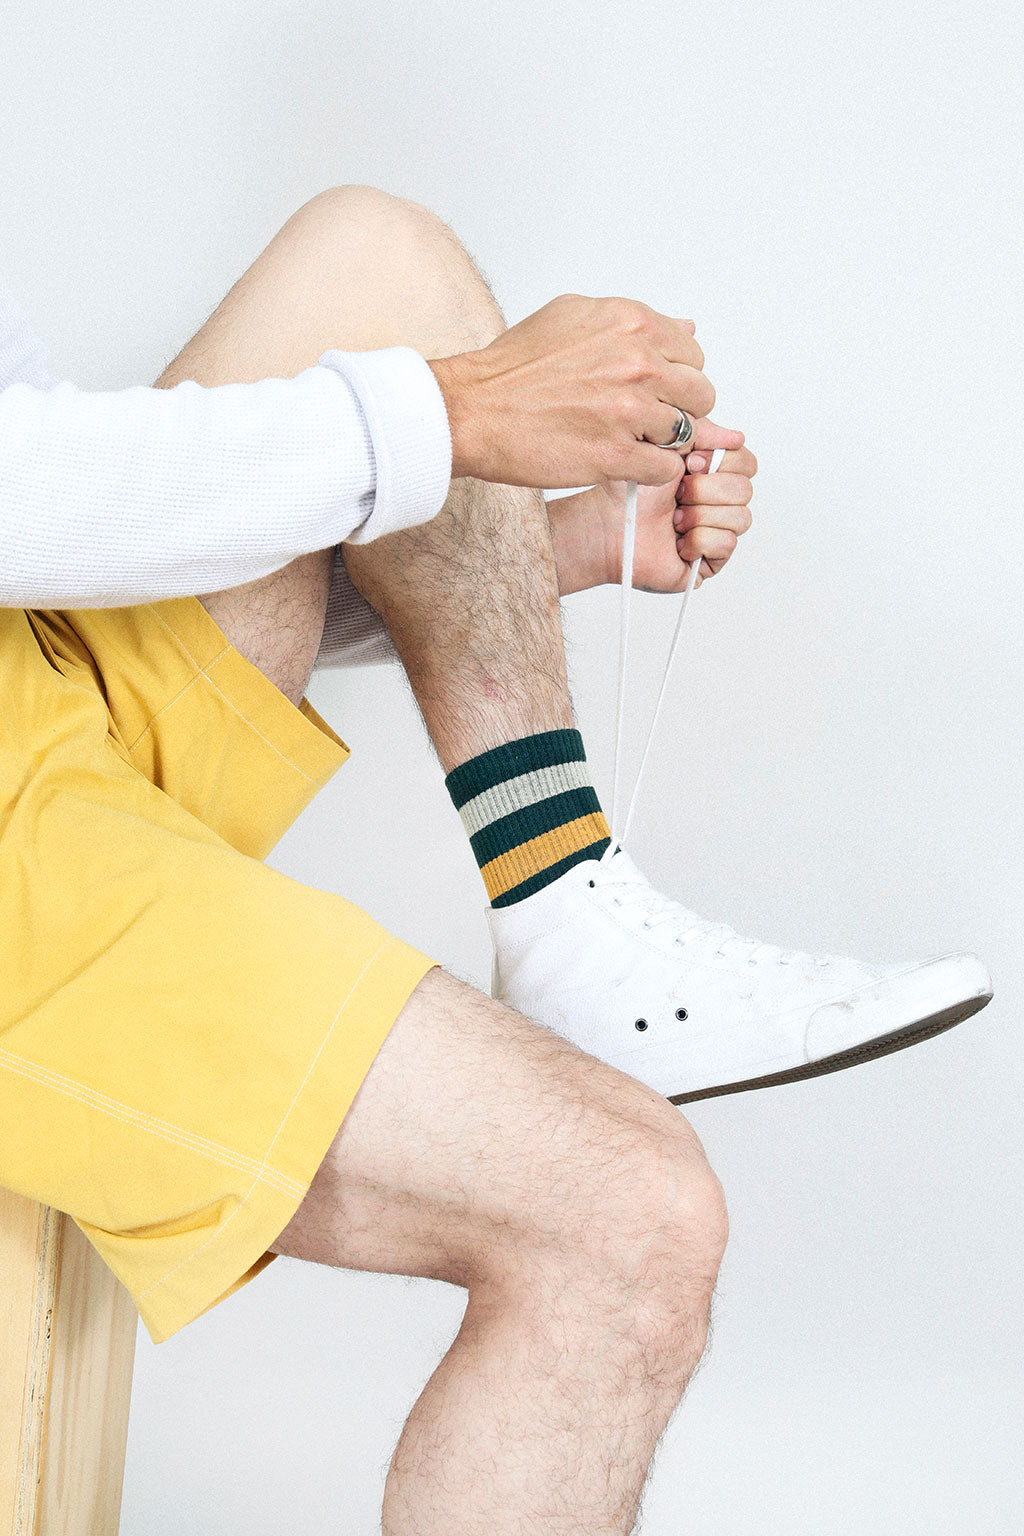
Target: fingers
<point>708,568</point>
<point>719,490</point>
<point>644,463</point>
<point>673,338</point>
<point>740,462</point>
<point>708,434</point>
<point>712,544</point>
<point>736,520</point>
<point>686,389</point>
<point>682,385</point>
<point>661,421</point>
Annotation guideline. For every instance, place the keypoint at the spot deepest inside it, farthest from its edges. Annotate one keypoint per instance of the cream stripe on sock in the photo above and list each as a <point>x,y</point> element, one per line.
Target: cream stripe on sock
<point>527,789</point>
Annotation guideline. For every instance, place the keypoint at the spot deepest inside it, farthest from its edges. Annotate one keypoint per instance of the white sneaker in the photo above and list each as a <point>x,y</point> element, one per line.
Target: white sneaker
<point>691,1008</point>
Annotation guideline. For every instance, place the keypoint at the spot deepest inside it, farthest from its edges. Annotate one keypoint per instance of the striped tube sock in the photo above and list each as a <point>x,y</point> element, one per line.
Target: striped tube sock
<point>530,811</point>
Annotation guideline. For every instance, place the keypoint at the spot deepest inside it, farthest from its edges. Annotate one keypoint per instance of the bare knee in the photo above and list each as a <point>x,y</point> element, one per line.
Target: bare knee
<point>405,233</point>
<point>663,1245</point>
<point>677,1277</point>
<point>640,1236</point>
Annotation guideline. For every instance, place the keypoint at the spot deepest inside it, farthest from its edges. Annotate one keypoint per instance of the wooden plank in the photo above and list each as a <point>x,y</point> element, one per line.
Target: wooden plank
<point>67,1346</point>
<point>30,1237</point>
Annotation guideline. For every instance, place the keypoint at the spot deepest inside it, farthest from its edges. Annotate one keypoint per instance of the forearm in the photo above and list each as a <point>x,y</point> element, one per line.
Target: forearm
<point>109,498</point>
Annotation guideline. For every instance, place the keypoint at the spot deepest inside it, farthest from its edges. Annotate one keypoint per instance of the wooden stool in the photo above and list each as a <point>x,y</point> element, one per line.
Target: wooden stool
<point>67,1345</point>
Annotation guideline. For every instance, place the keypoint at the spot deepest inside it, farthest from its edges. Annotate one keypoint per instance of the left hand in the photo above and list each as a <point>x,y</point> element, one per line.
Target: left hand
<point>693,516</point>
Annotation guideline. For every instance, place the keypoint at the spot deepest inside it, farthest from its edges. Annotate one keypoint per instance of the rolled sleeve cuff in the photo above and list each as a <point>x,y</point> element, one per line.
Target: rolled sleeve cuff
<point>408,423</point>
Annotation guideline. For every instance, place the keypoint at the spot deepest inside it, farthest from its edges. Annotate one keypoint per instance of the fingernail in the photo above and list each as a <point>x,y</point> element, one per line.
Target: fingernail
<point>696,463</point>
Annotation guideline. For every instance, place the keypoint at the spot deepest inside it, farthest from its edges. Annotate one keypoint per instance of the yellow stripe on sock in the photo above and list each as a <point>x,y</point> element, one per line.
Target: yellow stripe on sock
<point>529,858</point>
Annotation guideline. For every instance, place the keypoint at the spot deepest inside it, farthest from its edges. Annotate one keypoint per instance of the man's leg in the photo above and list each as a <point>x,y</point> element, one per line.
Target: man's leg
<point>470,601</point>
<point>471,598</point>
<point>577,1209</point>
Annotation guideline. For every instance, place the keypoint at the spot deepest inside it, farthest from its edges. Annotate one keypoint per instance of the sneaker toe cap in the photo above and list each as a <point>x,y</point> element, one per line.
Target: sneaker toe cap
<point>934,993</point>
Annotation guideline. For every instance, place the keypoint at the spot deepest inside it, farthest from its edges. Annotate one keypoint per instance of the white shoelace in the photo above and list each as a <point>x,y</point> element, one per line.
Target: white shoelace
<point>637,891</point>
<point>625,607</point>
<point>658,910</point>
<point>662,909</point>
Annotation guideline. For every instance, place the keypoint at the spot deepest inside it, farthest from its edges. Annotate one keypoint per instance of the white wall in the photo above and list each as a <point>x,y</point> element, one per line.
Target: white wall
<point>834,194</point>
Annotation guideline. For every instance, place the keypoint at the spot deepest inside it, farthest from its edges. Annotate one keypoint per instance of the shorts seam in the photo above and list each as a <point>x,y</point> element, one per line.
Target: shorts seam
<point>183,690</point>
<point>245,1198</point>
<point>71,1088</point>
<point>204,672</point>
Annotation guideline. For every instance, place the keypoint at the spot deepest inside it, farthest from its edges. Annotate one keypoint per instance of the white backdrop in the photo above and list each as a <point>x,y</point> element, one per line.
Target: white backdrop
<point>834,194</point>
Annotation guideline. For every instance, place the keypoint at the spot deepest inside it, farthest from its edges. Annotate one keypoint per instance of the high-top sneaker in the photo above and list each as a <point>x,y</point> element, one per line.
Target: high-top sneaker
<point>690,1007</point>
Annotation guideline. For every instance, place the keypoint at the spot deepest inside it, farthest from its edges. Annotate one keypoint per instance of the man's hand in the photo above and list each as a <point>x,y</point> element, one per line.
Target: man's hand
<point>575,394</point>
<point>696,515</point>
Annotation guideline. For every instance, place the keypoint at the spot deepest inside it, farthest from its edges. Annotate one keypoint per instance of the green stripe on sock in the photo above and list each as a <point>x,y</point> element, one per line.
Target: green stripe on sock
<point>511,760</point>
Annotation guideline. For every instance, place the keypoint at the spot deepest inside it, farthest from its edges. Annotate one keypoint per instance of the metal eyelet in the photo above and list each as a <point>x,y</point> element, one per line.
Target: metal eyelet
<point>641,1024</point>
<point>681,1014</point>
<point>592,883</point>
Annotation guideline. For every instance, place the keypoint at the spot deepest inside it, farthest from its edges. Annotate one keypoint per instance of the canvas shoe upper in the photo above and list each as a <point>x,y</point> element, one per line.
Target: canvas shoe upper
<point>692,1008</point>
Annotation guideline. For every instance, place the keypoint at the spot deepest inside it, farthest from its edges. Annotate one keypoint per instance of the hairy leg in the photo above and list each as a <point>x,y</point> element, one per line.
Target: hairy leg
<point>471,598</point>
<point>578,1211</point>
<point>574,1205</point>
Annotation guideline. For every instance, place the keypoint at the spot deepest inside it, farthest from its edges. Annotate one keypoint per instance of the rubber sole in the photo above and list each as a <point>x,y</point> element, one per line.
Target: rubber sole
<point>885,1045</point>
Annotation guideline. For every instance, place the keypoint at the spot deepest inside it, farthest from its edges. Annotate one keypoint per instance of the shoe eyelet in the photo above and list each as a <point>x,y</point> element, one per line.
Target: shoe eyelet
<point>641,1024</point>
<point>681,1014</point>
<point>592,883</point>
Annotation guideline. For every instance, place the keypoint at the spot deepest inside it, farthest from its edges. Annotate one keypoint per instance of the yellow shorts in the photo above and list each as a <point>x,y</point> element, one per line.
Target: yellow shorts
<point>182,1028</point>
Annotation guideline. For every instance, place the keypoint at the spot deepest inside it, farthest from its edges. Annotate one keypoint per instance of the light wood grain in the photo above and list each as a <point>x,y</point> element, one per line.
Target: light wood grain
<point>67,1345</point>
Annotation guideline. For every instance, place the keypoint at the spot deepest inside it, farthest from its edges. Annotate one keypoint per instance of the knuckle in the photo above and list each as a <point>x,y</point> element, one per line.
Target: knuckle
<point>635,363</point>
<point>628,407</point>
<point>627,315</point>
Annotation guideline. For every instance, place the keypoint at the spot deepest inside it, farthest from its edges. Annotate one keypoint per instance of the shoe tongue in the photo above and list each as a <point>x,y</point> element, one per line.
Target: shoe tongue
<point>623,868</point>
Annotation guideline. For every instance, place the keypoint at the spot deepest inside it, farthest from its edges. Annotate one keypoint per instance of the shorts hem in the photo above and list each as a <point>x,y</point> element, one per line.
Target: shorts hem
<point>237,1251</point>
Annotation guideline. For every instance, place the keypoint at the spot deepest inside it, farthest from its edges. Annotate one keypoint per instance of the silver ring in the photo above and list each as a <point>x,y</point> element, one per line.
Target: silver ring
<point>684,432</point>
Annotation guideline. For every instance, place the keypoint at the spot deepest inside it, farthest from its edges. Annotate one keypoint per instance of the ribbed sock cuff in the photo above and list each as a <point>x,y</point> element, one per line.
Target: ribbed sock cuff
<point>530,811</point>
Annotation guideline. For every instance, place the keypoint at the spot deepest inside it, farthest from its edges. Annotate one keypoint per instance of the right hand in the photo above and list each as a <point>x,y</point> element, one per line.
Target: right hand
<point>576,394</point>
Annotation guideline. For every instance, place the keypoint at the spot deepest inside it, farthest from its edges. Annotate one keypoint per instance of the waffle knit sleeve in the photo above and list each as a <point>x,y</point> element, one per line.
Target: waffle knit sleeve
<point>110,498</point>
